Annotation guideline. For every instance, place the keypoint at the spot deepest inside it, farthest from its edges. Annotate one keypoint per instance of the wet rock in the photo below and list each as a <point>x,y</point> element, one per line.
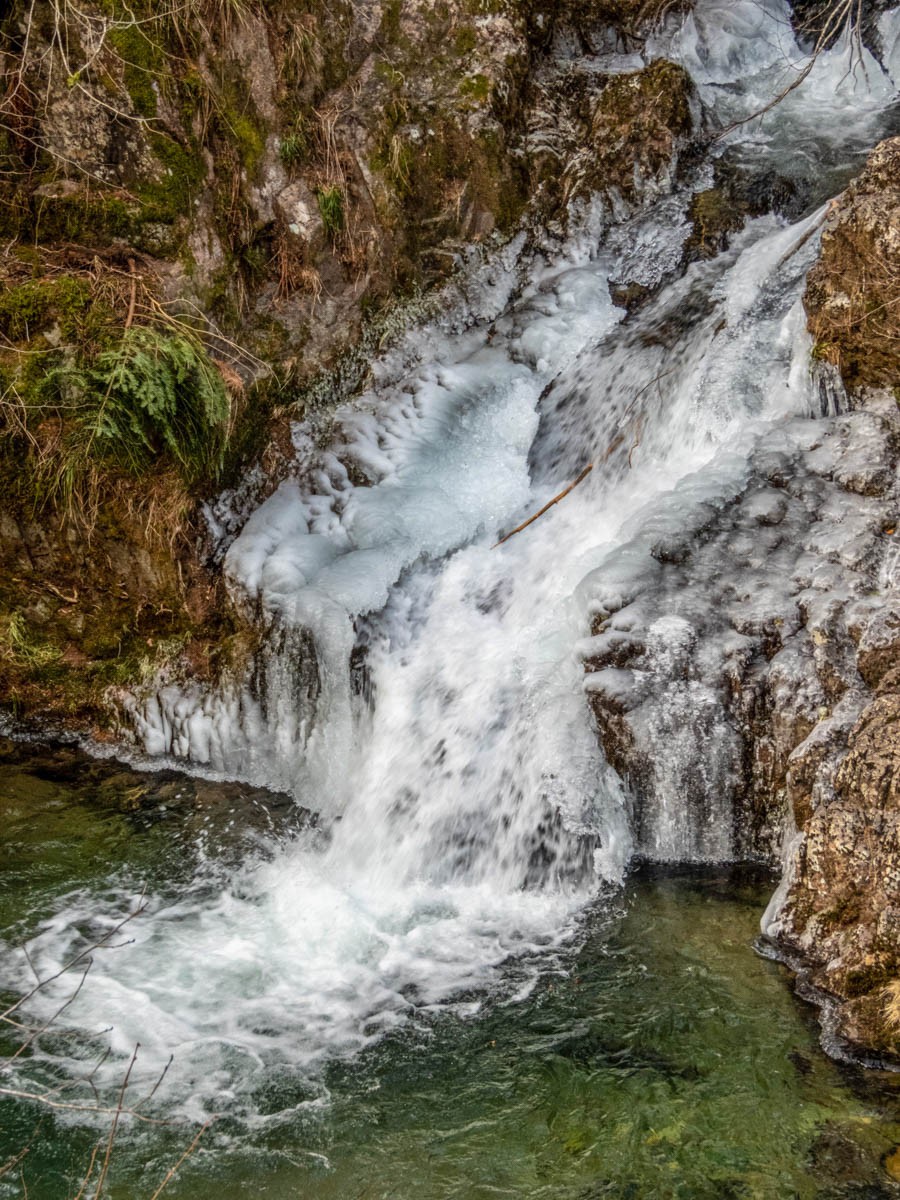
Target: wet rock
<point>638,124</point>
<point>843,909</point>
<point>714,217</point>
<point>878,648</point>
<point>751,681</point>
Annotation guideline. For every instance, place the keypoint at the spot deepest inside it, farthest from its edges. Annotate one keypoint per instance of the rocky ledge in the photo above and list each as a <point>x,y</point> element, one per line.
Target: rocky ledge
<point>773,631</point>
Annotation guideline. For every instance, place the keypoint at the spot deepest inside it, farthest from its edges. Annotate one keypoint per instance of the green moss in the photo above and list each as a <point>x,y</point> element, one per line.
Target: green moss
<point>142,63</point>
<point>94,219</point>
<point>476,88</point>
<point>25,647</point>
<point>466,40</point>
<point>238,124</point>
<point>86,217</point>
<point>173,196</point>
<point>714,215</point>
<point>823,351</point>
<point>66,300</point>
<point>394,78</point>
<point>636,125</point>
<point>845,912</point>
<point>859,981</point>
<point>251,143</point>
<point>390,22</point>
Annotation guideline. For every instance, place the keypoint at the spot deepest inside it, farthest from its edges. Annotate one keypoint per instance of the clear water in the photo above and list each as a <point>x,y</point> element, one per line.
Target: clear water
<point>656,1056</point>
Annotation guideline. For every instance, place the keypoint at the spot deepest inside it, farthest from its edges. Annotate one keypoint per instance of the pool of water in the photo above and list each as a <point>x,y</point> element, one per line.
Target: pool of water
<point>656,1056</point>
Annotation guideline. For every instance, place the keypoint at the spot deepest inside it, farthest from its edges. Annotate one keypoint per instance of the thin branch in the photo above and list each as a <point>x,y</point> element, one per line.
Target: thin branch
<point>133,301</point>
<point>72,1106</point>
<point>556,499</point>
<point>89,1172</point>
<point>12,1163</point>
<point>840,13</point>
<point>115,1123</point>
<point>190,1150</point>
<point>101,942</point>
<point>62,1008</point>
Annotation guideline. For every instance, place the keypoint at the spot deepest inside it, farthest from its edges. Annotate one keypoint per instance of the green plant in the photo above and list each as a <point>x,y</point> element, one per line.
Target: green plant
<point>331,209</point>
<point>18,644</point>
<point>154,394</point>
<point>294,147</point>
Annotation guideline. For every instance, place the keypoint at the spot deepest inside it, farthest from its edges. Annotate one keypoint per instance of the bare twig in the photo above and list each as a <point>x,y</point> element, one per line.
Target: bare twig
<point>43,1028</point>
<point>89,1172</point>
<point>115,1123</point>
<point>556,499</point>
<point>190,1150</point>
<point>133,301</point>
<point>12,1163</point>
<point>80,957</point>
<point>44,1098</point>
<point>841,12</point>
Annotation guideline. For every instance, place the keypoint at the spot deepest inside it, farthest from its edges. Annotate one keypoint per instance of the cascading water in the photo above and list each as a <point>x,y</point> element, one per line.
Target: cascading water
<point>426,687</point>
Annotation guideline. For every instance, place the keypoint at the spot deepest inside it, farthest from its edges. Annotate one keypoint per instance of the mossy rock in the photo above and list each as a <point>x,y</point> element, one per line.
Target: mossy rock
<point>96,219</point>
<point>853,292</point>
<point>714,215</point>
<point>638,123</point>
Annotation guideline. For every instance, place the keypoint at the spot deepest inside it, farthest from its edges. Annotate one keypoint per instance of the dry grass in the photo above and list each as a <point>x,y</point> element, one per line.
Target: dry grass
<point>853,303</point>
<point>890,997</point>
<point>295,273</point>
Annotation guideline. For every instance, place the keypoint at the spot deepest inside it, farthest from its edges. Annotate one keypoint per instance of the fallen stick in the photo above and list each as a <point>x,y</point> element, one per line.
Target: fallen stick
<point>556,499</point>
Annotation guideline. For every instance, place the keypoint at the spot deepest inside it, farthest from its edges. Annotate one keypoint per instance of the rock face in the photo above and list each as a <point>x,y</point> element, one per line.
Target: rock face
<point>842,912</point>
<point>853,292</point>
<point>728,667</point>
<point>754,673</point>
<point>746,652</point>
<point>256,184</point>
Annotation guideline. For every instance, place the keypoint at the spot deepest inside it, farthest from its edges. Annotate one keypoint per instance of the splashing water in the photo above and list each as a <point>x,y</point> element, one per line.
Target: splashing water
<point>424,688</point>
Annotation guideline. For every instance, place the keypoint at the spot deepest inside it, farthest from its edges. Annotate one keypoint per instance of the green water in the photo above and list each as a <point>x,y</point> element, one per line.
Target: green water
<point>665,1060</point>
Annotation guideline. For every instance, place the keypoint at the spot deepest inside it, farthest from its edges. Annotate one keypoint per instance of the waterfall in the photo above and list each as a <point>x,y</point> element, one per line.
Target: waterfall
<point>422,687</point>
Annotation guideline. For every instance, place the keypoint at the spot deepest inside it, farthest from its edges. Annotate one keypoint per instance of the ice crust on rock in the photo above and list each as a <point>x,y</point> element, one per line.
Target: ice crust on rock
<point>741,614</point>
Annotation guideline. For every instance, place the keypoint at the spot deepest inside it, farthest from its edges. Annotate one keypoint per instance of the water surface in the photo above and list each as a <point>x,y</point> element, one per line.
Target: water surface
<point>654,1055</point>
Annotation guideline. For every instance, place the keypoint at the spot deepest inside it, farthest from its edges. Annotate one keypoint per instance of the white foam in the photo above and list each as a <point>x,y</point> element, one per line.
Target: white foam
<point>450,857</point>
